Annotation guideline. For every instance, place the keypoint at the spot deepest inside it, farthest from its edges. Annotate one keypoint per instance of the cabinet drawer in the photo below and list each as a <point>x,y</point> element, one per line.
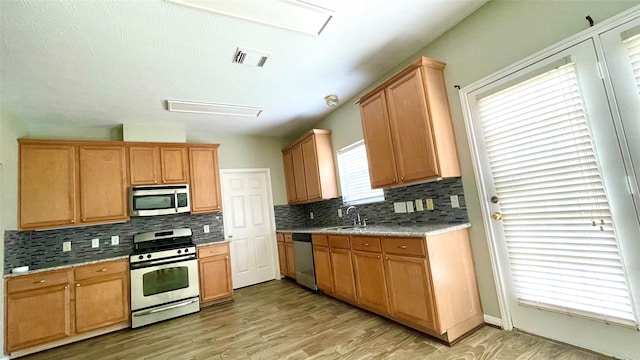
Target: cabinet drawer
<point>37,281</point>
<point>339,242</point>
<point>101,269</point>
<point>319,240</point>
<point>365,243</point>
<point>404,246</point>
<point>288,237</point>
<point>213,250</point>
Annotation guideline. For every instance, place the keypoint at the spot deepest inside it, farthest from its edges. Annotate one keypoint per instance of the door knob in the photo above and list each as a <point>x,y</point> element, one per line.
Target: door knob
<point>230,236</point>
<point>496,216</point>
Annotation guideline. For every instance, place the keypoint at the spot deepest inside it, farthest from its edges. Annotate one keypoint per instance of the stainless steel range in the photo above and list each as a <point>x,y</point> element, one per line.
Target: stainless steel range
<point>164,276</point>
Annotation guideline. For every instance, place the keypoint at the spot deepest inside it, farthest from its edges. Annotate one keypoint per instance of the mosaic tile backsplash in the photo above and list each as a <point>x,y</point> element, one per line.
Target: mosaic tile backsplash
<point>43,249</point>
<point>381,213</point>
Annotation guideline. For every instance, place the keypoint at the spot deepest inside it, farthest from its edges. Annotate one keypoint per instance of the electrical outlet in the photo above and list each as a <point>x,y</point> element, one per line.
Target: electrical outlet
<point>400,207</point>
<point>339,212</point>
<point>66,246</point>
<point>115,240</point>
<point>409,206</point>
<point>311,215</point>
<point>205,229</point>
<point>454,201</point>
<point>419,205</point>
<point>429,203</point>
<point>95,243</point>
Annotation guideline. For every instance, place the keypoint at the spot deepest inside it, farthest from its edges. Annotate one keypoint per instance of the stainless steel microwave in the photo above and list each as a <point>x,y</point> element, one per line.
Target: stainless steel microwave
<point>159,200</point>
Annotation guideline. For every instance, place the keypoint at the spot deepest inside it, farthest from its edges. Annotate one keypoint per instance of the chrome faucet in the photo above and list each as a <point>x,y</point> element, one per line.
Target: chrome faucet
<point>356,221</point>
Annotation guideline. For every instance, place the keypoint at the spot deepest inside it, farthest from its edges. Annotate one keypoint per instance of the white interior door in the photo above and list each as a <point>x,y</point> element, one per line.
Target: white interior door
<point>557,202</point>
<point>248,224</point>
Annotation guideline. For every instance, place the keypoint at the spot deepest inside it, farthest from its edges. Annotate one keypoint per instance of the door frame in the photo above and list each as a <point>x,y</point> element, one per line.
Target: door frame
<point>494,247</point>
<point>272,222</point>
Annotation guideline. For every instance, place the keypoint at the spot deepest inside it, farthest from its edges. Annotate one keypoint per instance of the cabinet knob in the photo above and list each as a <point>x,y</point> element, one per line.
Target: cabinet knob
<point>226,257</point>
<point>155,181</point>
<point>66,287</point>
<point>402,178</point>
<point>386,257</point>
<point>102,270</point>
<point>378,256</point>
<point>73,221</point>
<point>402,247</point>
<point>84,219</point>
<point>40,282</point>
<point>78,285</point>
<point>366,244</point>
<point>395,180</point>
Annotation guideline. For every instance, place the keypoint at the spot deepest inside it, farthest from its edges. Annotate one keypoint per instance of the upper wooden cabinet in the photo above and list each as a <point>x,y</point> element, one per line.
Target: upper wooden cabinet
<point>66,183</point>
<point>158,164</point>
<point>309,168</point>
<point>205,178</point>
<point>407,127</point>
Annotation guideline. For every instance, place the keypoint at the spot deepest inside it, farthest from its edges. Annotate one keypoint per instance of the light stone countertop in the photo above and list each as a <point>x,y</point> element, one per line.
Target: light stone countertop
<point>382,230</point>
<point>68,266</point>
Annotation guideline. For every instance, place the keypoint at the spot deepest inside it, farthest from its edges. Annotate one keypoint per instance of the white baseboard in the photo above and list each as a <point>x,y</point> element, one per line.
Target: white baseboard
<point>493,320</point>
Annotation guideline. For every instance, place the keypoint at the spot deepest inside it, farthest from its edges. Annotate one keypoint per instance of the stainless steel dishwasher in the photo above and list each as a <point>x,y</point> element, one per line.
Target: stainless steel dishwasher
<point>303,255</point>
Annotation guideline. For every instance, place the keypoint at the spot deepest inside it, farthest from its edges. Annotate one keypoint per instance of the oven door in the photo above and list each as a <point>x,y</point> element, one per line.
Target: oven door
<point>150,201</point>
<point>163,283</point>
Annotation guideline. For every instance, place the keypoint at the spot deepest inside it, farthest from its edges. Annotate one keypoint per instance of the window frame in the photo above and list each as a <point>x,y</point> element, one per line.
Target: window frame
<point>343,173</point>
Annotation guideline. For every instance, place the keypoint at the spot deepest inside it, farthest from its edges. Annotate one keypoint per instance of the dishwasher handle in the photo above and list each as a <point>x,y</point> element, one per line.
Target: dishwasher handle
<point>301,237</point>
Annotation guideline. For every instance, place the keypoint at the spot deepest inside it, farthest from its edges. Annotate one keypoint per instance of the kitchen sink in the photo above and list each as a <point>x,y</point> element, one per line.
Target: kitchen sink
<point>344,227</point>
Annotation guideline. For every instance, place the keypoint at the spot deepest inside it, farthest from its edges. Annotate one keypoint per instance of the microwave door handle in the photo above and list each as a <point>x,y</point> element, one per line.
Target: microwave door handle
<point>175,202</point>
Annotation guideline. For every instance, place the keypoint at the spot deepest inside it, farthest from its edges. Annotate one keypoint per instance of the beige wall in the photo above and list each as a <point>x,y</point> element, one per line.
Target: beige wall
<point>499,34</point>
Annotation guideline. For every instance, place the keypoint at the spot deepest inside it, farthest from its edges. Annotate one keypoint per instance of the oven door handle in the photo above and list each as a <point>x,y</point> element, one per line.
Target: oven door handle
<point>142,265</point>
<point>173,306</point>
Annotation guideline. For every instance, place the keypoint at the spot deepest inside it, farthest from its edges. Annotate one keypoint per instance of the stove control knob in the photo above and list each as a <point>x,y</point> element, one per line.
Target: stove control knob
<point>149,256</point>
<point>179,251</point>
<point>140,257</point>
<point>186,250</point>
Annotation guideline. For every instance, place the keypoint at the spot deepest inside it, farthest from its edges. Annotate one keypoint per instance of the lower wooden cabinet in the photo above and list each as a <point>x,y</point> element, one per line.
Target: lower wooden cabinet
<point>286,255</point>
<point>58,307</point>
<point>215,273</point>
<point>427,283</point>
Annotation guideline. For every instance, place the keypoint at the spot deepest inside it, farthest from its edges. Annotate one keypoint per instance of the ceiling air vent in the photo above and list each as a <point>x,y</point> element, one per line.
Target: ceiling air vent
<point>250,57</point>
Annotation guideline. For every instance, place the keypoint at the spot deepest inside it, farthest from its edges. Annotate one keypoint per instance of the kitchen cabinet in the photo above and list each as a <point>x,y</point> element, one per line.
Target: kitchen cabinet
<point>428,284</point>
<point>47,185</point>
<point>103,183</point>
<point>205,179</point>
<point>52,308</point>
<point>309,168</point>
<point>65,183</point>
<point>286,256</point>
<point>368,266</point>
<point>158,164</point>
<point>407,127</point>
<point>101,295</point>
<point>214,266</point>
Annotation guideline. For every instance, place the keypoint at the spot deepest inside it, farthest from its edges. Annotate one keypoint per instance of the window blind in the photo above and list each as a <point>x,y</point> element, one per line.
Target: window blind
<point>354,176</point>
<point>557,224</point>
<point>633,45</point>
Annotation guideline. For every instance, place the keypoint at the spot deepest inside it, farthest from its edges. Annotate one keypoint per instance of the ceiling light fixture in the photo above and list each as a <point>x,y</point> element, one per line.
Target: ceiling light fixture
<point>211,108</point>
<point>331,100</point>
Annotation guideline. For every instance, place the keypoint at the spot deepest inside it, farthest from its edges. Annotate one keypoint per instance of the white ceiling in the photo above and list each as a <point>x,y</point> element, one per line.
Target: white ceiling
<point>104,63</point>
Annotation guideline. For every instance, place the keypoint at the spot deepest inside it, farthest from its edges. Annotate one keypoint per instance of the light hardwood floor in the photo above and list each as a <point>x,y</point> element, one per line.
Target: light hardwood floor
<point>281,320</point>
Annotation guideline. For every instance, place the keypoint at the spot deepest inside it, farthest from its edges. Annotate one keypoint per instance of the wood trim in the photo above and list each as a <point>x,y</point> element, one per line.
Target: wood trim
<point>108,142</point>
<point>305,135</point>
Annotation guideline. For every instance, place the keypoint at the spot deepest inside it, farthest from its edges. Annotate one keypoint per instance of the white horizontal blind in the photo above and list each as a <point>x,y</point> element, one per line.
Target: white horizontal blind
<point>633,45</point>
<point>354,176</point>
<point>558,228</point>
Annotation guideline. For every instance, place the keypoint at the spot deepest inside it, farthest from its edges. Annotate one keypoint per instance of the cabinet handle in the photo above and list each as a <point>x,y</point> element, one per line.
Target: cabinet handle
<point>402,178</point>
<point>366,244</point>
<point>102,270</point>
<point>226,257</point>
<point>402,247</point>
<point>66,287</point>
<point>395,180</point>
<point>378,256</point>
<point>155,181</point>
<point>78,285</point>
<point>84,220</point>
<point>40,282</point>
<point>386,258</point>
<point>73,221</point>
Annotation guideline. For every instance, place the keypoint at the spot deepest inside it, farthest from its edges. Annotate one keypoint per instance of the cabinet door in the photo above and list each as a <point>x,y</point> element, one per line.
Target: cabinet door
<point>411,128</point>
<point>282,258</point>
<point>47,185</point>
<point>311,169</point>
<point>36,317</point>
<point>289,177</point>
<point>101,301</point>
<point>371,286</point>
<point>205,179</point>
<point>378,141</point>
<point>103,183</point>
<point>144,165</point>
<point>174,165</point>
<point>291,260</point>
<point>342,274</point>
<point>322,263</point>
<point>410,291</point>
<point>215,278</point>
<point>298,172</point>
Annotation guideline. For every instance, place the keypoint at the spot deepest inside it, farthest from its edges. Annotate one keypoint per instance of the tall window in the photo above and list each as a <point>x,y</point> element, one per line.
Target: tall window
<point>354,176</point>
